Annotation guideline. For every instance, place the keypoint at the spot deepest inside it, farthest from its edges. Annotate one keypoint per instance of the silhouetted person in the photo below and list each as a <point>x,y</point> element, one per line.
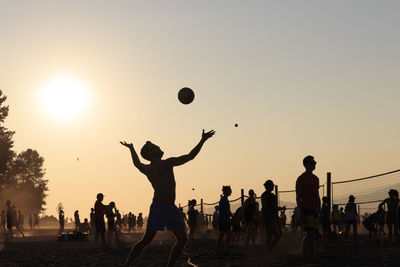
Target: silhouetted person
<point>30,221</point>
<point>392,216</point>
<point>118,221</point>
<point>309,203</point>
<point>61,220</point>
<point>183,216</point>
<point>192,217</point>
<point>326,222</point>
<point>250,215</point>
<point>130,222</point>
<point>381,220</point>
<point>283,219</point>
<point>21,220</point>
<point>3,220</point>
<point>163,212</point>
<point>270,209</point>
<point>140,221</point>
<point>85,226</point>
<point>215,220</point>
<point>297,218</point>
<point>99,210</point>
<point>371,223</point>
<point>92,225</point>
<point>224,218</point>
<point>236,221</point>
<point>77,220</point>
<point>36,221</point>
<point>351,216</point>
<point>342,226</point>
<point>12,220</point>
<point>336,219</point>
<point>112,229</point>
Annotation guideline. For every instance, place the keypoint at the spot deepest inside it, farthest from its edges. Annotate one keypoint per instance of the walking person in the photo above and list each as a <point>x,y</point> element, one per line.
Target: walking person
<point>250,215</point>
<point>224,218</point>
<point>351,216</point>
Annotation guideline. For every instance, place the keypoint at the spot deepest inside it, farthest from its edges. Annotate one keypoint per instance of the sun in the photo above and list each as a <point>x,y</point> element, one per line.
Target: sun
<point>64,97</point>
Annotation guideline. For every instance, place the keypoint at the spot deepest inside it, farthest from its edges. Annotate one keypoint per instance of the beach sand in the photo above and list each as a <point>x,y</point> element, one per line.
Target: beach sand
<point>44,250</point>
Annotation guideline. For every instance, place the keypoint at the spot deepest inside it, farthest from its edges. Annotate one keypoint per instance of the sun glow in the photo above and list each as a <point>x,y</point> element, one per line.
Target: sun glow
<point>64,98</point>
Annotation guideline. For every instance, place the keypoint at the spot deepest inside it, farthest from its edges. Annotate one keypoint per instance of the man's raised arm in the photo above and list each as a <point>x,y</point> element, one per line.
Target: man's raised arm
<point>185,158</point>
<point>136,161</point>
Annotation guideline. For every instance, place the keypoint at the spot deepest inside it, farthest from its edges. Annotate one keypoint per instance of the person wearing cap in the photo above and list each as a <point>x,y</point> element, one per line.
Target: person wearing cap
<point>351,216</point>
<point>163,211</point>
<point>269,210</point>
<point>392,217</point>
<point>309,203</point>
<point>99,211</point>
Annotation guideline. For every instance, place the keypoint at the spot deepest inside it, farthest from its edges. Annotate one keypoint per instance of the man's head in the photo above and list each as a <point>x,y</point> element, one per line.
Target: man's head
<point>216,207</point>
<point>351,198</point>
<point>325,199</point>
<point>309,163</point>
<point>100,196</point>
<point>269,185</point>
<point>8,203</point>
<point>112,204</point>
<point>226,190</point>
<point>251,193</point>
<point>151,152</point>
<point>393,193</point>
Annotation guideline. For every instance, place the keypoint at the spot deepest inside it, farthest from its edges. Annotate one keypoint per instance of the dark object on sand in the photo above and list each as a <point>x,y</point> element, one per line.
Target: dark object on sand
<point>73,236</point>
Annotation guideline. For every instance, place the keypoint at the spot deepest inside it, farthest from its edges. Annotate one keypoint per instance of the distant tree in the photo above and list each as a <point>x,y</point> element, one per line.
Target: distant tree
<point>21,176</point>
<point>6,144</point>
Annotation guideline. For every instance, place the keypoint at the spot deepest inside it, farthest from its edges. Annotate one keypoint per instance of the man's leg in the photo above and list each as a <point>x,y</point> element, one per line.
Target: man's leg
<point>176,251</point>
<point>140,245</point>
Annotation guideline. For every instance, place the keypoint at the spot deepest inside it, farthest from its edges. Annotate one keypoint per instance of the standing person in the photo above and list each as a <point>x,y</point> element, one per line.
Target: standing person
<point>140,221</point>
<point>215,220</point>
<point>309,203</point>
<point>270,209</point>
<point>3,220</point>
<point>30,221</point>
<point>192,218</point>
<point>163,212</point>
<point>112,229</point>
<point>342,226</point>
<point>392,217</point>
<point>36,221</point>
<point>21,220</point>
<point>250,215</point>
<point>99,211</point>
<point>336,218</point>
<point>351,216</point>
<point>77,221</point>
<point>130,222</point>
<point>61,220</point>
<point>297,218</point>
<point>326,222</point>
<point>224,218</point>
<point>92,225</point>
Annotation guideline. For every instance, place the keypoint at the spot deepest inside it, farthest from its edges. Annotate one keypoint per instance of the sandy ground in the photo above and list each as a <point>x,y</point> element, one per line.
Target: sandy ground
<point>44,250</point>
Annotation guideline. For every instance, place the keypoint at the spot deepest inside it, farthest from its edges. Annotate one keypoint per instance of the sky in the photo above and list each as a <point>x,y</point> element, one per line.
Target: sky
<point>298,77</point>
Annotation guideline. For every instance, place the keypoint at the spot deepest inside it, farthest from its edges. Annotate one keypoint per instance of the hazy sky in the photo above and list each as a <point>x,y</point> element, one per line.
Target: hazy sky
<point>299,77</point>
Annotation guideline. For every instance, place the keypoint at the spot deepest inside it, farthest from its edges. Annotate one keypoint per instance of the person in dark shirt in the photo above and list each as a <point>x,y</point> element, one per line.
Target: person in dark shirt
<point>250,215</point>
<point>61,220</point>
<point>192,218</point>
<point>272,223</point>
<point>99,211</point>
<point>224,218</point>
<point>163,212</point>
<point>112,228</point>
<point>392,217</point>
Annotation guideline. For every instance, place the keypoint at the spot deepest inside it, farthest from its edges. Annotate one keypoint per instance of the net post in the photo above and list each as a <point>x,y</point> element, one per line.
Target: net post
<point>277,194</point>
<point>242,196</point>
<point>201,206</point>
<point>329,190</point>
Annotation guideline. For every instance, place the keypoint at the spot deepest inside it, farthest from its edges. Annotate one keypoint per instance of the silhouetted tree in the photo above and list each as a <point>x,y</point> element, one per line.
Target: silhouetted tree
<point>6,144</point>
<point>21,176</point>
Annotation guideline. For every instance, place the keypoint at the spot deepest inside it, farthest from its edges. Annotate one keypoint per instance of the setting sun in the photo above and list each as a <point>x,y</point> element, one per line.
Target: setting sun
<point>64,98</point>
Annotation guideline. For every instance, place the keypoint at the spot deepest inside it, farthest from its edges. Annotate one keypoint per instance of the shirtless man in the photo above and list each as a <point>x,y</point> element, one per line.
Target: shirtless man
<point>163,212</point>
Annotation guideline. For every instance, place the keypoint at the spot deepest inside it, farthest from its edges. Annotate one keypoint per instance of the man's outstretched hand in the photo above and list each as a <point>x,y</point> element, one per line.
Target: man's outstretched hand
<point>207,135</point>
<point>130,146</point>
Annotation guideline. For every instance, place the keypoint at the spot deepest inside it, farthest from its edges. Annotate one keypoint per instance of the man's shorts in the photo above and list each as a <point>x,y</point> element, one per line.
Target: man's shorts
<point>100,226</point>
<point>311,221</point>
<point>163,215</point>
